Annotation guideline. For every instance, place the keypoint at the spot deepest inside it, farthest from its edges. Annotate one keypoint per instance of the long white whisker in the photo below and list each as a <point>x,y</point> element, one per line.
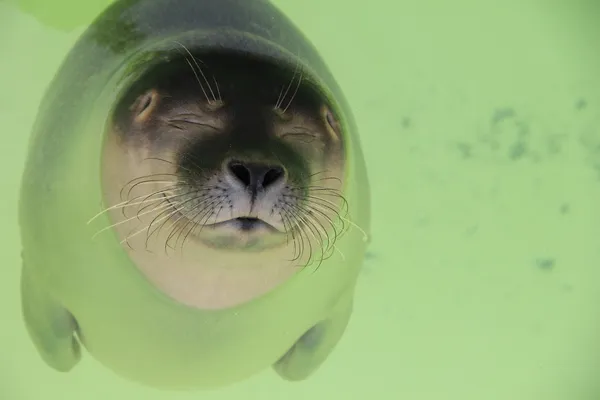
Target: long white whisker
<point>130,219</point>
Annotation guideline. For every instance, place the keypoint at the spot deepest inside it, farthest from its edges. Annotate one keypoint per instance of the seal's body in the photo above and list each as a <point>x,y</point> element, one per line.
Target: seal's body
<point>227,303</point>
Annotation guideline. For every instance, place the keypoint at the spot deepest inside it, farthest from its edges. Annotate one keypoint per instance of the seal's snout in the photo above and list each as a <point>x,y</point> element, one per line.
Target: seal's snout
<point>254,177</point>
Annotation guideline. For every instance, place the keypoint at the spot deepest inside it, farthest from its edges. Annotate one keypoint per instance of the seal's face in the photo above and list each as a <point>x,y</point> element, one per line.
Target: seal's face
<point>235,157</point>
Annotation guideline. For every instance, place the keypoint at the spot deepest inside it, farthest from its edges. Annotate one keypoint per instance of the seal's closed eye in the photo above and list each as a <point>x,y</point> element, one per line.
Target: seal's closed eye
<point>144,105</point>
<point>333,125</point>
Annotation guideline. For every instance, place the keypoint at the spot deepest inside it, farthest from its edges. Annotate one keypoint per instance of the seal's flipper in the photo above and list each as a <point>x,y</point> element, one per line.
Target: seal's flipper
<point>51,327</point>
<point>313,348</point>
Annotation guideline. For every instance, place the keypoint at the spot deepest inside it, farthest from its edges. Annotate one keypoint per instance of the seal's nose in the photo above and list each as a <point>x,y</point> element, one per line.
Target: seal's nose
<point>255,176</point>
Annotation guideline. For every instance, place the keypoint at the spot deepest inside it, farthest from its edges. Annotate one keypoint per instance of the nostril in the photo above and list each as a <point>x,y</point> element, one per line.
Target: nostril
<point>240,171</point>
<point>272,176</point>
<point>255,175</point>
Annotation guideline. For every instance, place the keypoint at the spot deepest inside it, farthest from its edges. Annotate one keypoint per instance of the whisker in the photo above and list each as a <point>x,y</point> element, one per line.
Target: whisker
<point>192,221</point>
<point>201,73</point>
<point>331,206</point>
<point>193,224</point>
<point>321,208</point>
<point>125,221</point>
<point>327,250</point>
<point>161,160</point>
<point>299,219</point>
<point>289,227</point>
<point>294,95</point>
<point>334,178</point>
<point>291,232</point>
<point>218,90</point>
<point>178,165</point>
<point>119,205</point>
<point>350,222</point>
<point>310,209</point>
<point>148,199</point>
<point>299,236</point>
<point>177,206</point>
<point>175,210</point>
<point>170,212</point>
<point>282,97</point>
<point>126,240</point>
<point>201,205</point>
<point>139,181</point>
<point>317,173</point>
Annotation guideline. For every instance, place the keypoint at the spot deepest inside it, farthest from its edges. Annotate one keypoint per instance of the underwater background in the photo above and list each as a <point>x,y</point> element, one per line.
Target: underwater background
<point>480,123</point>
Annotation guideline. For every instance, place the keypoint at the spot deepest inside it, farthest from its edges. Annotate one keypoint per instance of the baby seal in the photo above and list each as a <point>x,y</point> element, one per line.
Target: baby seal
<point>220,174</point>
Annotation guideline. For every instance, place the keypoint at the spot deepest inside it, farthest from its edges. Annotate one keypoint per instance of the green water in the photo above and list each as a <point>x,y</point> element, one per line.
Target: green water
<point>480,123</point>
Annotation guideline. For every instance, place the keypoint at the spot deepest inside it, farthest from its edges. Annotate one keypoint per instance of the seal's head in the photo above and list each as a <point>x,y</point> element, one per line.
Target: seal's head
<point>226,156</point>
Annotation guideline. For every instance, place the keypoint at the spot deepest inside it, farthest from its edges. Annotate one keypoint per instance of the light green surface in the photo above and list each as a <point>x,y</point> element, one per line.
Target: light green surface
<point>459,301</point>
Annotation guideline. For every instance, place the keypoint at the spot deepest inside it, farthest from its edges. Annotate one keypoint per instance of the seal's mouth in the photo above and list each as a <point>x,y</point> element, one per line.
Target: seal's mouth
<point>245,224</point>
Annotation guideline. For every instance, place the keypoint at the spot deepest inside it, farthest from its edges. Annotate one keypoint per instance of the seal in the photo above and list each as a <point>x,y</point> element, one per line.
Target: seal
<point>195,205</point>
